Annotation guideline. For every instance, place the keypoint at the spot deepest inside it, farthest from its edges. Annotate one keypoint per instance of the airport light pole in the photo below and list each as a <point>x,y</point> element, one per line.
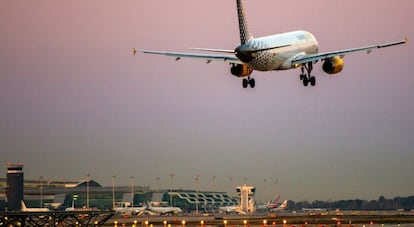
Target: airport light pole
<point>264,190</point>
<point>132,191</point>
<point>276,180</point>
<point>213,179</point>
<point>171,182</point>
<point>87,190</point>
<point>196,181</point>
<point>158,187</point>
<point>41,191</point>
<point>113,192</point>
<point>231,185</point>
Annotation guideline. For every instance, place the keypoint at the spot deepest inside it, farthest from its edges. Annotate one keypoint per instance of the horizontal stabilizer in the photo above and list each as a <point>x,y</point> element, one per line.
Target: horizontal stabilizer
<point>207,57</point>
<point>213,50</point>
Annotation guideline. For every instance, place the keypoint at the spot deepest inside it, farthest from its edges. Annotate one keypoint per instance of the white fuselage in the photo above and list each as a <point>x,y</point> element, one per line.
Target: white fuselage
<point>38,209</point>
<point>163,210</point>
<point>280,50</point>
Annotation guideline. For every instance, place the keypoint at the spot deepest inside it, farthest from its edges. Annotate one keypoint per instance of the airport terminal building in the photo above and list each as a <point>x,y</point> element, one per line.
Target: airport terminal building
<point>62,194</point>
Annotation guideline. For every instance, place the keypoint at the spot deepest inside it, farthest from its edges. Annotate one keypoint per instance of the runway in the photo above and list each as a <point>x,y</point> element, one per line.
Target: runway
<point>270,220</point>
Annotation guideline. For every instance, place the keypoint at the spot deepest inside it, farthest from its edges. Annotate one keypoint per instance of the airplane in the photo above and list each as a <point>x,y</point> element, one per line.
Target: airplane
<point>238,208</point>
<point>57,202</point>
<point>37,209</point>
<point>162,210</point>
<point>281,207</point>
<point>269,205</point>
<point>125,210</point>
<point>72,208</point>
<point>232,209</point>
<point>283,51</point>
<point>274,204</point>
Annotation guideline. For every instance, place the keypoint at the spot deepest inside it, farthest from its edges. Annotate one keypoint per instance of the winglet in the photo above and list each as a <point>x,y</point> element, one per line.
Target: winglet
<point>406,40</point>
<point>134,51</point>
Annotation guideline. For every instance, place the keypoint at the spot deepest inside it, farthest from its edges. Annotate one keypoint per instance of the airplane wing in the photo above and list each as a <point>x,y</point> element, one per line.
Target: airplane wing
<point>207,57</point>
<point>315,57</point>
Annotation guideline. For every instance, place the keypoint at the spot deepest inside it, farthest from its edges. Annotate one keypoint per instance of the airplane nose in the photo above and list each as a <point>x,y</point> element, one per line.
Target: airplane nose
<point>245,53</point>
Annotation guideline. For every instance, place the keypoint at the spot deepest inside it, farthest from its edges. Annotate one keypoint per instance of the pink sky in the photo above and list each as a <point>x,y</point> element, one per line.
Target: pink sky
<point>75,101</point>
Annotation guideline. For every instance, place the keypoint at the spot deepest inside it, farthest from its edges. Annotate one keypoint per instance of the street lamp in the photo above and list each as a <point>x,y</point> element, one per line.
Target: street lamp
<point>196,181</point>
<point>171,181</point>
<point>41,191</point>
<point>158,187</point>
<point>88,176</point>
<point>132,191</point>
<point>264,190</point>
<point>214,189</point>
<point>113,192</point>
<point>231,184</point>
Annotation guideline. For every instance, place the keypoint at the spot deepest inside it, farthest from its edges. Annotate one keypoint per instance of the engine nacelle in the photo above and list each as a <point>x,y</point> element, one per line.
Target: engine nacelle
<point>241,70</point>
<point>333,65</point>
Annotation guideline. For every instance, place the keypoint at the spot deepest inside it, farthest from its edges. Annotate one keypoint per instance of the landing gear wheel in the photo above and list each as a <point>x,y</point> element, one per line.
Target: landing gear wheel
<point>312,81</point>
<point>305,81</point>
<point>252,83</point>
<point>307,77</point>
<point>245,83</point>
<point>249,82</point>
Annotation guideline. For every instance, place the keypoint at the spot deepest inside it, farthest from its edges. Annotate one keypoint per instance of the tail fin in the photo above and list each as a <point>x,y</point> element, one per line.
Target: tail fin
<point>276,201</point>
<point>245,34</point>
<point>23,205</point>
<point>283,205</point>
<point>274,204</point>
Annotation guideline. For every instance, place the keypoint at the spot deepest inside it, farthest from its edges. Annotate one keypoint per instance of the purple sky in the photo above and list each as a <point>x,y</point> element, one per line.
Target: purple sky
<point>75,101</point>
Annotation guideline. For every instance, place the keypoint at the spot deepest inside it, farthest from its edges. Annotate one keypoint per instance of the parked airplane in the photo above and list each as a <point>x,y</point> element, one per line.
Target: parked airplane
<point>273,204</point>
<point>72,208</point>
<point>232,209</point>
<point>162,210</point>
<point>269,205</point>
<point>37,209</point>
<point>281,207</point>
<point>275,52</point>
<point>125,210</point>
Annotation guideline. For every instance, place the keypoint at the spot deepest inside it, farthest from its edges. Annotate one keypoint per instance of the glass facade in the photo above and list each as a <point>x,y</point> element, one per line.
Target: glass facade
<point>66,192</point>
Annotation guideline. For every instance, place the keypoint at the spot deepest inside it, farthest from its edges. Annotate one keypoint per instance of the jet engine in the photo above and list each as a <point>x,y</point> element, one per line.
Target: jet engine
<point>241,70</point>
<point>333,65</point>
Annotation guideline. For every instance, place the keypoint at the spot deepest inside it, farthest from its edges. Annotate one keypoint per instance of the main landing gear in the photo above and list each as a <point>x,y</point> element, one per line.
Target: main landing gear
<point>307,78</point>
<point>249,81</point>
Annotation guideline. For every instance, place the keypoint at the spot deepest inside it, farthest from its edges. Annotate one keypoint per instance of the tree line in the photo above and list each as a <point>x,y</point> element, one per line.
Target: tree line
<point>397,203</point>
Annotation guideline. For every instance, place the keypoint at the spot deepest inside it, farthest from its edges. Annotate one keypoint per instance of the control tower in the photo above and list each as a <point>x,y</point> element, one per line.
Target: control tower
<point>246,195</point>
<point>14,186</point>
